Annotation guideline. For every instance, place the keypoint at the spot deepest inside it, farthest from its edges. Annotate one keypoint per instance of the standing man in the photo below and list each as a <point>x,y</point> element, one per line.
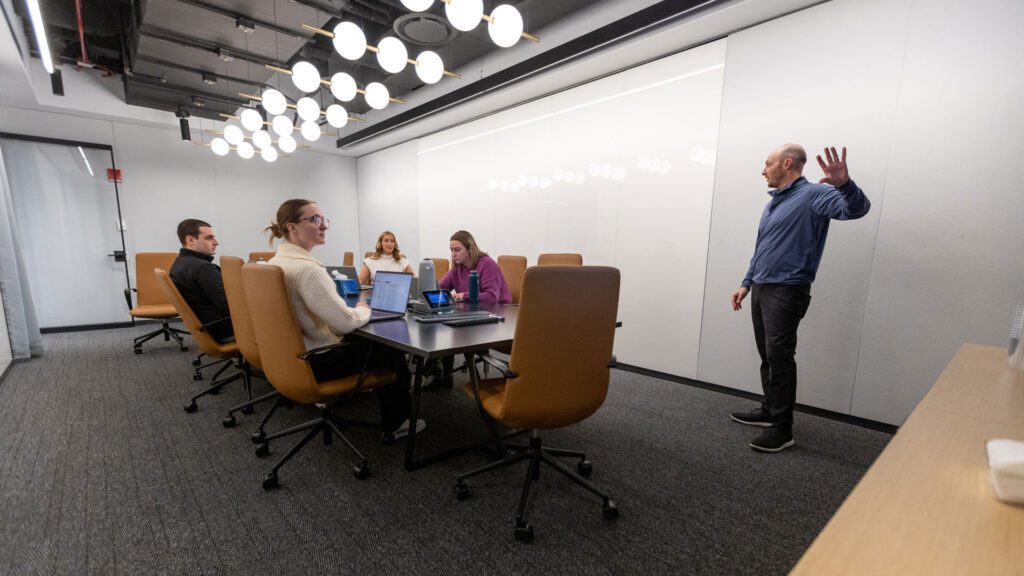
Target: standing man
<point>790,241</point>
<point>199,279</point>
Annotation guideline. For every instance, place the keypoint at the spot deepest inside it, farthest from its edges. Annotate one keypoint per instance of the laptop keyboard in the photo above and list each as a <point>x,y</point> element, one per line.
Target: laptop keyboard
<point>447,316</point>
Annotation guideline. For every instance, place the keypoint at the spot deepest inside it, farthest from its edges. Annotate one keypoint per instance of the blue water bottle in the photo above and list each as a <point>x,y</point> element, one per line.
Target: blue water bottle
<point>474,287</point>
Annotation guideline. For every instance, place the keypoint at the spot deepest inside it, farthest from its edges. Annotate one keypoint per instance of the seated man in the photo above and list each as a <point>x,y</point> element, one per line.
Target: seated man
<point>199,279</point>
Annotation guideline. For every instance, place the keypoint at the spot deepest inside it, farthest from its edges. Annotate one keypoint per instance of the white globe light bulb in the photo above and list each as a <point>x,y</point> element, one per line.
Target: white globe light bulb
<point>220,146</point>
<point>245,150</point>
<point>269,154</point>
<point>282,125</point>
<point>429,67</point>
<point>336,116</point>
<point>305,76</point>
<point>343,87</point>
<point>310,131</point>
<point>464,14</point>
<point>417,5</point>
<point>274,102</point>
<point>251,120</point>
<point>377,95</point>
<point>261,139</point>
<point>506,26</point>
<point>349,41</point>
<point>309,110</point>
<point>392,55</point>
<point>286,144</point>
<point>233,134</point>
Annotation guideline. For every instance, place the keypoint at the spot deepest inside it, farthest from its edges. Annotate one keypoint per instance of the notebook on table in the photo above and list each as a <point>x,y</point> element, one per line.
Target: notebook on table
<point>390,295</point>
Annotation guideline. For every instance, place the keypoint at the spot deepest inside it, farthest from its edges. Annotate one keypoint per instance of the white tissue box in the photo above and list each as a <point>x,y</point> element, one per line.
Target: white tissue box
<point>1006,469</point>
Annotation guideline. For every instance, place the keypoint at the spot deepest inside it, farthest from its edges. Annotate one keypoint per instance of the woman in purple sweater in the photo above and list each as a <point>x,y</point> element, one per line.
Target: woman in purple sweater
<point>467,257</point>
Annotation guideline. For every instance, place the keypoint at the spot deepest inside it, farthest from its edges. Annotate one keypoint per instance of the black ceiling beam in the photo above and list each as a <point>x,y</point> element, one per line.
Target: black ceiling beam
<point>348,7</point>
<point>656,15</point>
<point>235,15</point>
<point>206,46</point>
<point>185,91</point>
<point>197,71</point>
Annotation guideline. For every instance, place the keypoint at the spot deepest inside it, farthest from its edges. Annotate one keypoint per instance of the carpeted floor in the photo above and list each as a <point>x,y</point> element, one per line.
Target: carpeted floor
<point>102,472</point>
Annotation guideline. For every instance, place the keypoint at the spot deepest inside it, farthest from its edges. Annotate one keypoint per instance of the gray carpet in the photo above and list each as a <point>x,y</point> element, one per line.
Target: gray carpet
<point>102,472</point>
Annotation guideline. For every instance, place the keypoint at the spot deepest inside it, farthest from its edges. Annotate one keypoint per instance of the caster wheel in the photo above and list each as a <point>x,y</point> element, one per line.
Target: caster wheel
<point>361,471</point>
<point>461,491</point>
<point>228,422</point>
<point>524,533</point>
<point>191,408</point>
<point>183,348</point>
<point>197,376</point>
<point>584,467</point>
<point>611,512</point>
<point>270,482</point>
<point>247,410</point>
<point>257,437</point>
<point>197,362</point>
<point>263,450</point>
<point>215,391</point>
<point>138,350</point>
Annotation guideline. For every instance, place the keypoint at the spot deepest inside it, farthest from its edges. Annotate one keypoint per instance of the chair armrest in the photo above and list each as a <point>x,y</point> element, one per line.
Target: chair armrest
<point>305,355</point>
<point>499,364</point>
<point>128,296</point>
<point>217,321</point>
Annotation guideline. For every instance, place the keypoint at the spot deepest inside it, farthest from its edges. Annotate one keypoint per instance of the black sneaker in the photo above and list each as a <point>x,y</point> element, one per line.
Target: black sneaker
<point>756,417</point>
<point>439,382</point>
<point>773,440</point>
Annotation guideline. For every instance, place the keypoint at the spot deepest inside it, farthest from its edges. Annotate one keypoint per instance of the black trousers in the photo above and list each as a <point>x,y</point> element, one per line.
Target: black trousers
<point>777,310</point>
<point>349,359</point>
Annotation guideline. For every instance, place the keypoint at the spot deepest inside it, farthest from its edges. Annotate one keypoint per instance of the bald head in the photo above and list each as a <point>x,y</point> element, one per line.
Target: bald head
<point>784,165</point>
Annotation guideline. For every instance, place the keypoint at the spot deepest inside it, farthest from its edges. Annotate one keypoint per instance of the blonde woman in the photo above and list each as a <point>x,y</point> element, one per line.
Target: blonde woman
<point>386,257</point>
<point>325,318</point>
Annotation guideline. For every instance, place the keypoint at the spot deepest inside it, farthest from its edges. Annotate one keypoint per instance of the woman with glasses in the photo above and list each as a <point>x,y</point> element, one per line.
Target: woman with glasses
<point>386,257</point>
<point>325,318</point>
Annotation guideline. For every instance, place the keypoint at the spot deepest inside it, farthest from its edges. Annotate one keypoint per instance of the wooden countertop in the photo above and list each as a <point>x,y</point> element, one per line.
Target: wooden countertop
<point>926,505</point>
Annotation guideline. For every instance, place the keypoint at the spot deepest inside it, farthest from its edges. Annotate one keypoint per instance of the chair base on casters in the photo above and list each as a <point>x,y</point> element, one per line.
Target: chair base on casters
<point>327,424</point>
<point>536,454</point>
<point>168,333</point>
<point>216,385</point>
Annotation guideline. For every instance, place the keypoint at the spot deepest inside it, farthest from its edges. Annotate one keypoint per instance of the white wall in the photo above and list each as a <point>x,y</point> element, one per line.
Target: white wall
<point>166,180</point>
<point>925,95</point>
<point>389,199</point>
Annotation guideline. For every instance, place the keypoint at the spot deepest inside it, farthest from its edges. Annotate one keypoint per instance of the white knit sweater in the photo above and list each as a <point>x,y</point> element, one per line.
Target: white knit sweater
<point>323,316</point>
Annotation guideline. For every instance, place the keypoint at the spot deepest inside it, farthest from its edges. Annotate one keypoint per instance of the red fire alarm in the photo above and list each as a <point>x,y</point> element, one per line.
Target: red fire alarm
<point>114,175</point>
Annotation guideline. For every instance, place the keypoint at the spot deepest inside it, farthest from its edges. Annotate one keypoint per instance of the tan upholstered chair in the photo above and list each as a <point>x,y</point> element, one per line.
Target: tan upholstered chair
<point>368,254</point>
<point>151,304</point>
<point>513,268</point>
<point>557,373</point>
<point>440,268</point>
<point>284,358</point>
<point>226,352</point>
<point>348,259</point>
<point>245,337</point>
<point>258,256</point>
<point>560,260</point>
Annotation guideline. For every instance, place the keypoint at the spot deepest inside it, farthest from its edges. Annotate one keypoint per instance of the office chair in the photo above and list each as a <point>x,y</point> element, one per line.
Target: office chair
<point>245,337</point>
<point>560,260</point>
<point>512,268</point>
<point>285,362</point>
<point>368,254</point>
<point>557,374</point>
<point>152,304</point>
<point>440,268</point>
<point>224,353</point>
<point>264,256</point>
<point>348,259</point>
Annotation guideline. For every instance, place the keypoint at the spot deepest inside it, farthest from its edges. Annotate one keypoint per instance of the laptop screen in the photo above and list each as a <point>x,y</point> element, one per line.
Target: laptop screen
<point>391,291</point>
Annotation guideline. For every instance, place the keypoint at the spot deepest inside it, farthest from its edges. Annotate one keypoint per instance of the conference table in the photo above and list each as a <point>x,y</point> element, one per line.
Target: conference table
<point>926,505</point>
<point>436,340</point>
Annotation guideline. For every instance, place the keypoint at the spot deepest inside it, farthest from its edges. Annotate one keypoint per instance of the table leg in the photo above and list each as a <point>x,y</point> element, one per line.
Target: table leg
<point>414,413</point>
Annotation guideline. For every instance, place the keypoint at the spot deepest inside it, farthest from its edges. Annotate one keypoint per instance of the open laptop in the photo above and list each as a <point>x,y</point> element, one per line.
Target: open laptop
<point>390,295</point>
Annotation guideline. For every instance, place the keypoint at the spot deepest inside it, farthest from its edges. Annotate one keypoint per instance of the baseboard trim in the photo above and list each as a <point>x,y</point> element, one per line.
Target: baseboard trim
<point>820,412</point>
<point>109,326</point>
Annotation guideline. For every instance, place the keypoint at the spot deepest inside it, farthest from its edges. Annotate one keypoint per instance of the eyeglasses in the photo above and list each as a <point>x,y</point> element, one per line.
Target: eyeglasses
<point>318,220</point>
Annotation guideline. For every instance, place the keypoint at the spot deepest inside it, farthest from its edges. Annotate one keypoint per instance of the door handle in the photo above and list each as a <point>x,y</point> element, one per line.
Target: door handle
<point>119,256</point>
